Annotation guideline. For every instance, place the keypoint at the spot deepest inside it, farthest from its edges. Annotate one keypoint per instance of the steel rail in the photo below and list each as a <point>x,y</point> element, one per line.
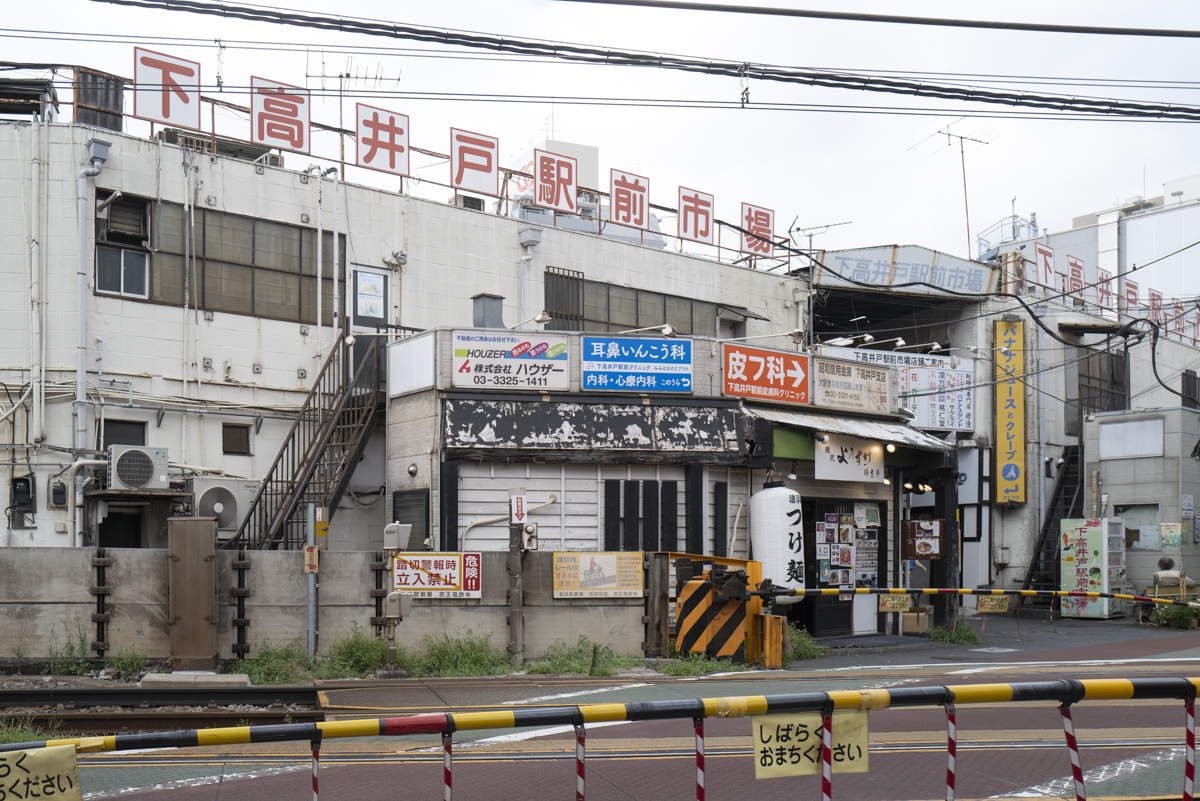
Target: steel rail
<point>143,697</point>
<point>1063,690</point>
<point>1019,593</point>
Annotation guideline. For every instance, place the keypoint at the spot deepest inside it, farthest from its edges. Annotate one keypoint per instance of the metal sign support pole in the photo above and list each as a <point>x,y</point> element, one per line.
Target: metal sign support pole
<point>310,527</point>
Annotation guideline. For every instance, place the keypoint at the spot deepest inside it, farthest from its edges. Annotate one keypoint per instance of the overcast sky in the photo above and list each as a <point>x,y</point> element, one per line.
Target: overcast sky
<point>892,176</point>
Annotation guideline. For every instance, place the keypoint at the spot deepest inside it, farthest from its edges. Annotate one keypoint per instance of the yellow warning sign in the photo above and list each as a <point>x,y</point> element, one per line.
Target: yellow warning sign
<point>41,772</point>
<point>895,603</point>
<point>790,745</point>
<point>993,603</point>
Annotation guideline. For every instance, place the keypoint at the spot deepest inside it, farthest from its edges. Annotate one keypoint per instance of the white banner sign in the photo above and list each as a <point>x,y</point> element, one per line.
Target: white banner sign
<point>854,387</point>
<point>942,397</point>
<point>844,458</point>
<point>516,360</point>
<point>279,115</point>
<point>474,162</point>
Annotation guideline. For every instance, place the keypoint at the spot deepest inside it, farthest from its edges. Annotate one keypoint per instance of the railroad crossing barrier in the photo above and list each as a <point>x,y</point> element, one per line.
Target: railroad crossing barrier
<point>1065,691</point>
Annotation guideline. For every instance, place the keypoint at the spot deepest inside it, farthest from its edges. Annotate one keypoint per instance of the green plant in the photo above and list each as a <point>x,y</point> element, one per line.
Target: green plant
<point>584,656</point>
<point>699,665</point>
<point>355,653</point>
<point>19,654</point>
<point>962,634</point>
<point>22,730</point>
<point>127,660</point>
<point>803,645</point>
<point>288,663</point>
<point>70,658</point>
<point>1176,617</point>
<point>467,654</point>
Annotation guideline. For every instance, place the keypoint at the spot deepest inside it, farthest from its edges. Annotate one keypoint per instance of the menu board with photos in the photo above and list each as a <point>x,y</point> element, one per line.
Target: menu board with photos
<point>836,544</point>
<point>866,565</point>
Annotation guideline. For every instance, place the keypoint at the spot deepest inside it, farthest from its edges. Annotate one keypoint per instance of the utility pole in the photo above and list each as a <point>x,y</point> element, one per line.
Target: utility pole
<point>810,232</point>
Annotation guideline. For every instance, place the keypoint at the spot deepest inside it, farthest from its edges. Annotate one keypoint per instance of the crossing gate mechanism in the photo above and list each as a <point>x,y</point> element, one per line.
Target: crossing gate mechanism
<point>711,614</point>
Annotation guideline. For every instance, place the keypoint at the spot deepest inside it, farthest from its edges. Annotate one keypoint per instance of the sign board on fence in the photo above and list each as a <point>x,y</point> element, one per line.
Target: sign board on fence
<point>41,772</point>
<point>438,575</point>
<point>311,558</point>
<point>895,603</point>
<point>992,603</point>
<point>598,574</point>
<point>790,745</point>
<point>516,360</point>
<point>638,364</point>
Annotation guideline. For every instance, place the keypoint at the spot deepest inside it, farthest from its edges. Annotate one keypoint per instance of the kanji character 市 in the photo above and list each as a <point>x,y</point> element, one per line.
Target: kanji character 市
<point>280,117</point>
<point>695,216</point>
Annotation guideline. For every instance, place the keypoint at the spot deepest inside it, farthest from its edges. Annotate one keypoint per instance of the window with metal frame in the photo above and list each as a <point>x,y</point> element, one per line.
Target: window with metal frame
<point>576,304</point>
<point>1190,389</point>
<point>235,439</point>
<point>1103,382</point>
<point>120,271</point>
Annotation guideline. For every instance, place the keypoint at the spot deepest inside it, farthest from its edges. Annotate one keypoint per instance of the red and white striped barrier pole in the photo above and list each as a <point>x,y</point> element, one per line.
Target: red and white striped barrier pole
<point>447,745</point>
<point>1073,747</point>
<point>951,750</point>
<point>699,724</point>
<point>1189,767</point>
<point>827,755</point>
<point>316,762</point>
<point>579,738</point>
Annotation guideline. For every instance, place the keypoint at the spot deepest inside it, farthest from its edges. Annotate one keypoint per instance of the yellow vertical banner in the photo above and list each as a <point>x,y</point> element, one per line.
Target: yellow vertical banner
<point>1010,411</point>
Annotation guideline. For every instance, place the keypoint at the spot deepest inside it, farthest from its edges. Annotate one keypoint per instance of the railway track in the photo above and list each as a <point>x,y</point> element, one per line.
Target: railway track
<point>129,710</point>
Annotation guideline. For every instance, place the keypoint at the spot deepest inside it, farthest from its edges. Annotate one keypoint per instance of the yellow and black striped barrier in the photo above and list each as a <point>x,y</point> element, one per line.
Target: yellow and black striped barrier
<point>1062,690</point>
<point>1019,593</point>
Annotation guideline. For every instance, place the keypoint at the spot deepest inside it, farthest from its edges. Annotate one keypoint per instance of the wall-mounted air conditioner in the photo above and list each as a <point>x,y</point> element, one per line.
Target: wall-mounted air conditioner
<point>133,467</point>
<point>468,202</point>
<point>227,499</point>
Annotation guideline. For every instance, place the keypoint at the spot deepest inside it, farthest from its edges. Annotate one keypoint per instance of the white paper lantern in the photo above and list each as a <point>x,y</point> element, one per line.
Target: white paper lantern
<point>777,535</point>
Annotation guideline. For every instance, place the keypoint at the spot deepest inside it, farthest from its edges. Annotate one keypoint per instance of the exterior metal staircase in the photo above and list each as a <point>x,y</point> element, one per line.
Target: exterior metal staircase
<point>320,452</point>
<point>1066,503</point>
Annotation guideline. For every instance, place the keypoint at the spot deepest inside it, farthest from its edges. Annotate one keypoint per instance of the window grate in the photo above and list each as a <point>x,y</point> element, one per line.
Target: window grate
<point>564,299</point>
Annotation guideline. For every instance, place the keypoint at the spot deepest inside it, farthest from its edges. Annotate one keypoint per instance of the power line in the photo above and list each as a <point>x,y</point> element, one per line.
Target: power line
<point>898,20</point>
<point>608,56</point>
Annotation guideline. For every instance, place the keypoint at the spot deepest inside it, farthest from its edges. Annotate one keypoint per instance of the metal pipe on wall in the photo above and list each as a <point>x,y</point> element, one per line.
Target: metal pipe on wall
<point>35,285</point>
<point>81,272</point>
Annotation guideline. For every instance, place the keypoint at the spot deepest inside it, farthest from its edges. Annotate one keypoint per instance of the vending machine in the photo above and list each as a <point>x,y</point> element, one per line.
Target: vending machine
<point>1092,558</point>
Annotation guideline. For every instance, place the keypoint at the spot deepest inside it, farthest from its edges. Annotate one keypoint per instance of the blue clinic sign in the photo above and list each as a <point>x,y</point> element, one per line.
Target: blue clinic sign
<point>640,365</point>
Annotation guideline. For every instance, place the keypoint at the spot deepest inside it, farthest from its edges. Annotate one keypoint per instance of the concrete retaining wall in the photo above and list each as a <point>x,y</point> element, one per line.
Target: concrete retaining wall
<point>45,596</point>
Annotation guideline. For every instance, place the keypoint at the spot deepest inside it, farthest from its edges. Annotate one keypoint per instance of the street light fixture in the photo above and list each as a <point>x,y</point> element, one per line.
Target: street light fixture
<point>898,340</point>
<point>666,329</point>
<point>712,351</point>
<point>841,342</point>
<point>541,319</point>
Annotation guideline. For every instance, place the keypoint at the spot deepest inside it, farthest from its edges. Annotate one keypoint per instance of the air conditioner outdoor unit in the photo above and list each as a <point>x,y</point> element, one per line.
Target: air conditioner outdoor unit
<point>468,202</point>
<point>227,499</point>
<point>132,467</point>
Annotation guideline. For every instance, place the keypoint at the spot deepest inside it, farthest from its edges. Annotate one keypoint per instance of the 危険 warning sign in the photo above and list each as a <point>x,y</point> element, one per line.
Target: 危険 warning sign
<point>438,575</point>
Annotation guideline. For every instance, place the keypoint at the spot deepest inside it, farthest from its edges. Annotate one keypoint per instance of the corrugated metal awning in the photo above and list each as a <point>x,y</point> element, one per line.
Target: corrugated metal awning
<point>852,427</point>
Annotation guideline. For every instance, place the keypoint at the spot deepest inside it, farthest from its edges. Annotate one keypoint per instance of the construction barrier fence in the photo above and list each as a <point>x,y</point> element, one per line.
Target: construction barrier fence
<point>1064,691</point>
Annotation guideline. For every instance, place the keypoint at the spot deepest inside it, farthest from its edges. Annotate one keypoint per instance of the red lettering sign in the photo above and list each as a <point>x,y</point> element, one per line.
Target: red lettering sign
<point>773,375</point>
<point>629,199</point>
<point>556,182</point>
<point>166,89</point>
<point>758,230</point>
<point>695,216</point>
<point>382,139</point>
<point>474,162</point>
<point>279,115</point>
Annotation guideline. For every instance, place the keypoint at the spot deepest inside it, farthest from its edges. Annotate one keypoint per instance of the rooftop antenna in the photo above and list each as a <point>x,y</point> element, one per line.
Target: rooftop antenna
<point>810,231</point>
<point>963,156</point>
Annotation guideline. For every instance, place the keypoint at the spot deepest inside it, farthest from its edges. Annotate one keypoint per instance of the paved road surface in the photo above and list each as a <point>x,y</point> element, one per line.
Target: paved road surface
<point>1005,750</point>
